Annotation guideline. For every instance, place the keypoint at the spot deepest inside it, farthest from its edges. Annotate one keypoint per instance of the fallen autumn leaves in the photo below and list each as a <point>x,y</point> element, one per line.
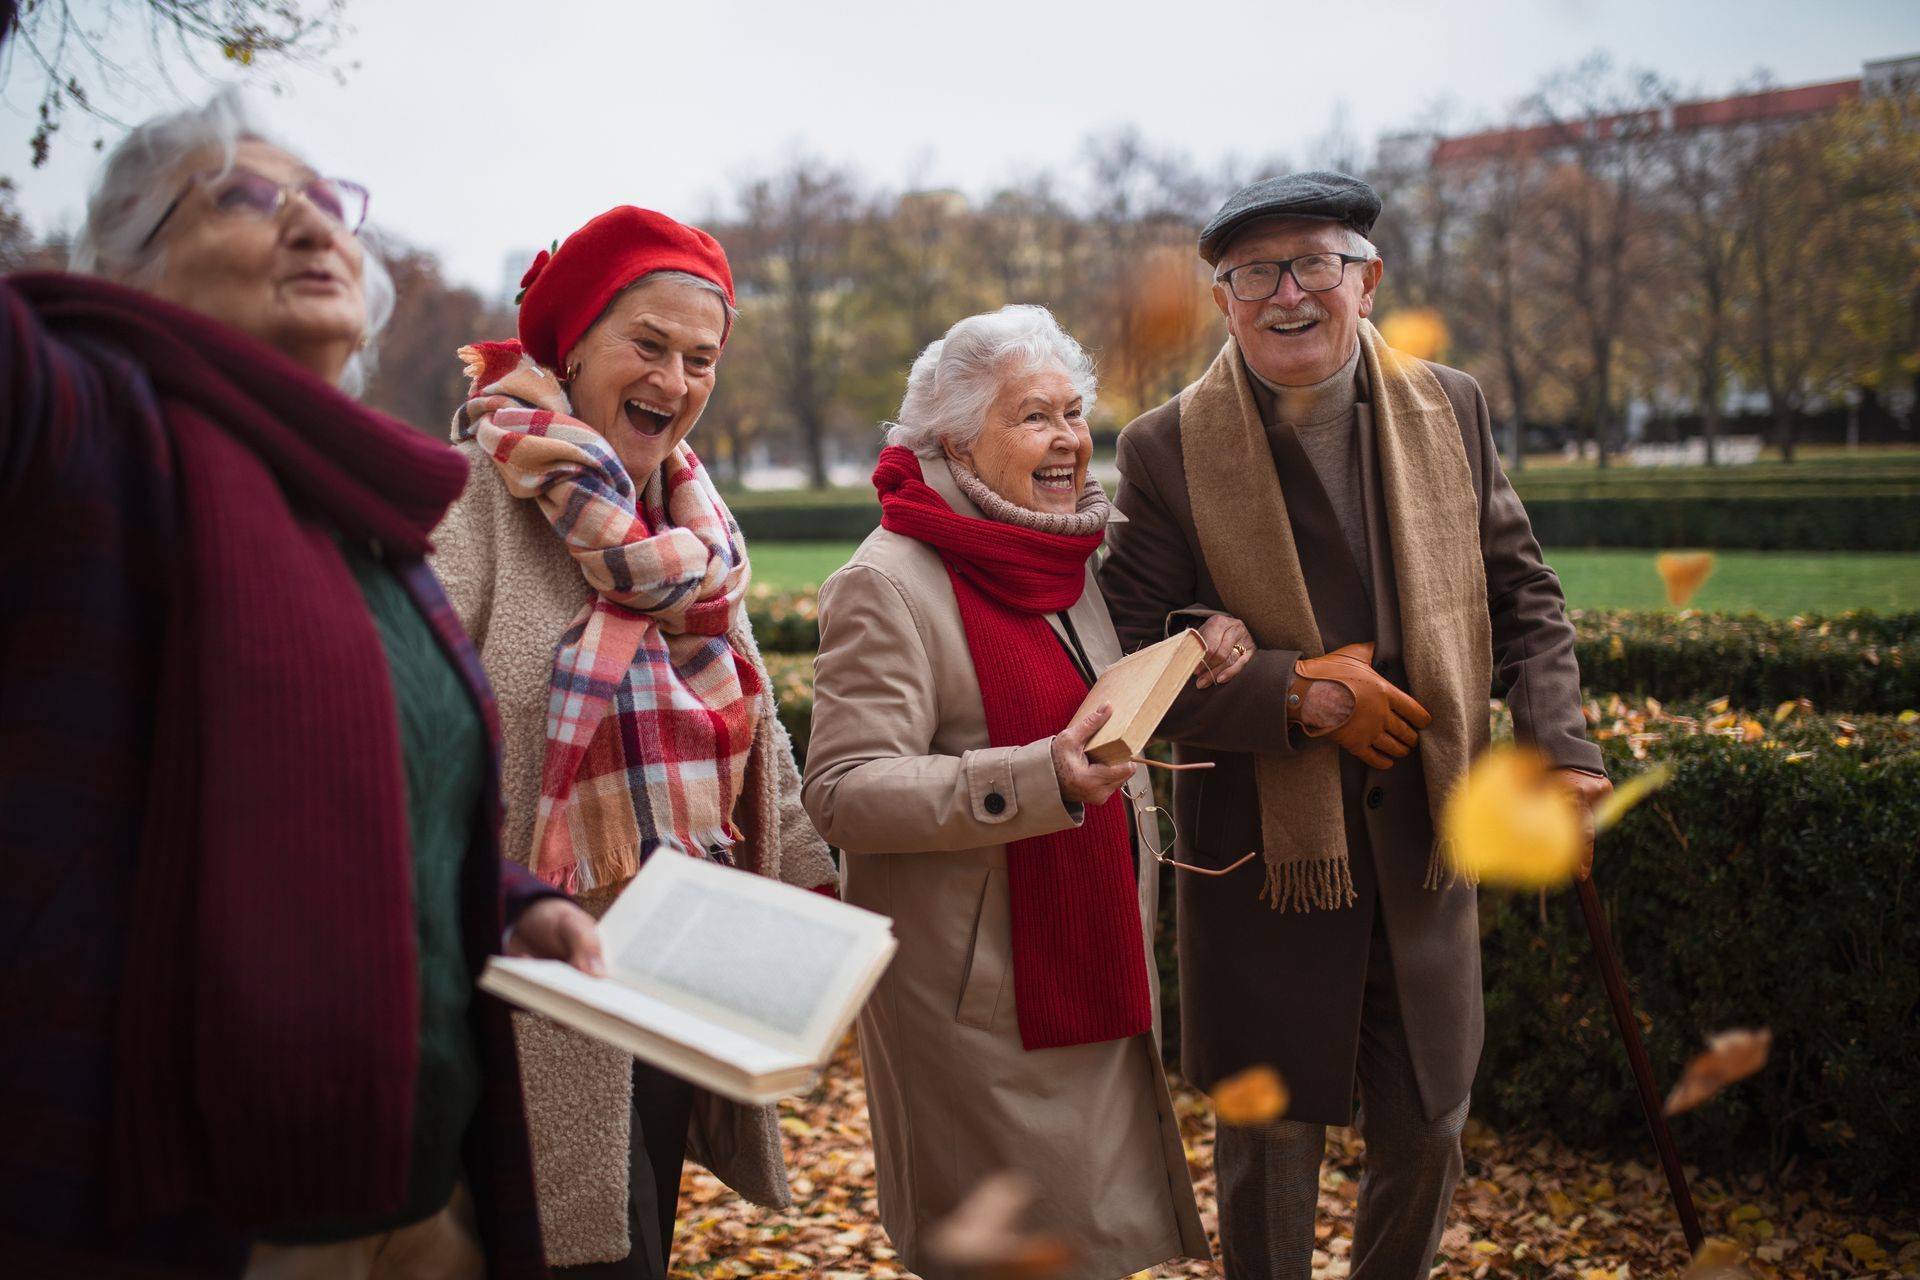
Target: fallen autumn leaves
<point>1528,1207</point>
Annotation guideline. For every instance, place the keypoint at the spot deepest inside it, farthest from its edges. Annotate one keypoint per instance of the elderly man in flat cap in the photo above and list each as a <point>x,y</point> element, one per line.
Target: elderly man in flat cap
<point>1332,515</point>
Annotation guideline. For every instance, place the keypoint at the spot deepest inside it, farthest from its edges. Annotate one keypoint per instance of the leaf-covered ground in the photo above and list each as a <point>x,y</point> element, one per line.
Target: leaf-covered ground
<point>1528,1207</point>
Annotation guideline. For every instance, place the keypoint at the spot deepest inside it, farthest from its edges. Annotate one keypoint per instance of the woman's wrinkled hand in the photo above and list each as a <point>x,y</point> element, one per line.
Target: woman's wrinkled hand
<point>1083,780</point>
<point>557,929</point>
<point>1229,650</point>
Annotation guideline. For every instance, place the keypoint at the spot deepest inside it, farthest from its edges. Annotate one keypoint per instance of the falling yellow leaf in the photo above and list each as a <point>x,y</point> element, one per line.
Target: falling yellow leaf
<point>1719,1259</point>
<point>1252,1097</point>
<point>1614,805</point>
<point>1509,822</point>
<point>1684,572</point>
<point>1785,709</point>
<point>1908,717</point>
<point>1731,1057</point>
<point>1752,731</point>
<point>1418,331</point>
<point>1718,705</point>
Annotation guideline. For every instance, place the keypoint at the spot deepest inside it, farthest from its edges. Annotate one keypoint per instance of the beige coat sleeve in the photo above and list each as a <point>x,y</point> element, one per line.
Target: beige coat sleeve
<point>874,783</point>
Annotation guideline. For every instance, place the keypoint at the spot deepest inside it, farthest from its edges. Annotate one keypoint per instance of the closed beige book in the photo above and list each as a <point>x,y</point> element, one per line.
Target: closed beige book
<point>1140,688</point>
<point>740,984</point>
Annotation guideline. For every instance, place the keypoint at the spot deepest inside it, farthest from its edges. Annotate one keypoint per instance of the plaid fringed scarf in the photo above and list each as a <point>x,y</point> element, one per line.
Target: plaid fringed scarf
<point>652,713</point>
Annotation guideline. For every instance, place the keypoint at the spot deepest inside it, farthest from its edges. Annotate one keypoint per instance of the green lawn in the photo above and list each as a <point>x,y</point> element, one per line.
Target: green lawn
<point>1778,584</point>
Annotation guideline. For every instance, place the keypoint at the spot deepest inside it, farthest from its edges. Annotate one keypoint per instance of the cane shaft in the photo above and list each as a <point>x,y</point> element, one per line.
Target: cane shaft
<point>1616,983</point>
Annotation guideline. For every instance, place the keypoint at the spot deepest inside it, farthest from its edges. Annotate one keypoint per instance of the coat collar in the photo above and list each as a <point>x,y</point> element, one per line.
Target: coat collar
<point>939,478</point>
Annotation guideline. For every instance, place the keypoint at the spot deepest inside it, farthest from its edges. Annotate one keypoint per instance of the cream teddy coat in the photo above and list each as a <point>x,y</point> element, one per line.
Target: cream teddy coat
<point>516,588</point>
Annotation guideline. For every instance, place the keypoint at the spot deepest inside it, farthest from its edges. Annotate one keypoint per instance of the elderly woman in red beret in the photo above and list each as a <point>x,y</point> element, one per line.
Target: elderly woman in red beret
<point>604,581</point>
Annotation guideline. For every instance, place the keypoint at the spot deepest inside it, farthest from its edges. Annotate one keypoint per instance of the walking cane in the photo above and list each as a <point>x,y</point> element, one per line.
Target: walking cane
<point>1608,959</point>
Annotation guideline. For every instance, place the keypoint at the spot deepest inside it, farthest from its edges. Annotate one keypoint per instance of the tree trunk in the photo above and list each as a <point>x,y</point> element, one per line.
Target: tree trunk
<point>1710,402</point>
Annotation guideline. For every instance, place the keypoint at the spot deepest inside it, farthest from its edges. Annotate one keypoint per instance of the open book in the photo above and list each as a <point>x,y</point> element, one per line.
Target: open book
<point>740,984</point>
<point>1141,687</point>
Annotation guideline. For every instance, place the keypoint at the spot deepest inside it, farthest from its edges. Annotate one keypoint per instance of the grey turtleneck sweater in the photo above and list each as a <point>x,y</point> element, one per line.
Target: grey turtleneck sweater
<point>1324,418</point>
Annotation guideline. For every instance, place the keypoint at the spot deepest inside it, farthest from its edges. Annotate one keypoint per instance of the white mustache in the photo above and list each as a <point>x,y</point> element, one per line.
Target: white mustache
<point>1307,309</point>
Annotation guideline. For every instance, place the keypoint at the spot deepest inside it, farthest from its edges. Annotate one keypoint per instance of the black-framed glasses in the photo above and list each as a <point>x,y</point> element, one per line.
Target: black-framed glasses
<point>1313,272</point>
<point>254,195</point>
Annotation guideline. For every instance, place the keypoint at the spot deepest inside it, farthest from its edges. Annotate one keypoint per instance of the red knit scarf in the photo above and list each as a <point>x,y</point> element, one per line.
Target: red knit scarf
<point>1079,963</point>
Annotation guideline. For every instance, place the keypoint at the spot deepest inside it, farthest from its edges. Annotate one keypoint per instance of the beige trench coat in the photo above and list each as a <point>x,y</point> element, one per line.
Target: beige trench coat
<point>899,776</point>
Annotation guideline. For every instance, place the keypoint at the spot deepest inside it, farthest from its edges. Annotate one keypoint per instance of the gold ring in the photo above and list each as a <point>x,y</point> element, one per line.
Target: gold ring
<point>1237,651</point>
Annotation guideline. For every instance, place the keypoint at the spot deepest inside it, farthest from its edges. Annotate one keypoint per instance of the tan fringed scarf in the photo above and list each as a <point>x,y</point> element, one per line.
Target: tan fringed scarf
<point>1433,518</point>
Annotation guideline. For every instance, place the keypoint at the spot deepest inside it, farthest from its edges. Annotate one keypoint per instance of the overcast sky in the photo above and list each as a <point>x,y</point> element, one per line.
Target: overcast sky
<point>489,127</point>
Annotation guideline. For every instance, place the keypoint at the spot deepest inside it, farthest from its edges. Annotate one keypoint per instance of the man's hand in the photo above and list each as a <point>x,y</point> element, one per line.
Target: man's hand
<point>1588,790</point>
<point>1081,779</point>
<point>556,929</point>
<point>1382,724</point>
<point>1229,650</point>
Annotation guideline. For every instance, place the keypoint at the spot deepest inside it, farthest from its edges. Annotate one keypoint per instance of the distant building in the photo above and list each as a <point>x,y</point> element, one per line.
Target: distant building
<point>1414,150</point>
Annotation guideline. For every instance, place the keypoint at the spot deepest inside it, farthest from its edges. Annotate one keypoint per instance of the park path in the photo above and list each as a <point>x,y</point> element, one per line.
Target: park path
<point>1528,1207</point>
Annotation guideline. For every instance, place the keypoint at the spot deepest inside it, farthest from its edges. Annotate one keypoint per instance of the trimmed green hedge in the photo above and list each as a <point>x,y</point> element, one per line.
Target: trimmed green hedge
<point>1756,889</point>
<point>1818,521</point>
<point>1852,661</point>
<point>838,520</point>
<point>1770,883</point>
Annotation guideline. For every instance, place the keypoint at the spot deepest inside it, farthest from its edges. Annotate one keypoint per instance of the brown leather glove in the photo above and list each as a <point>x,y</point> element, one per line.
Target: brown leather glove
<point>1384,724</point>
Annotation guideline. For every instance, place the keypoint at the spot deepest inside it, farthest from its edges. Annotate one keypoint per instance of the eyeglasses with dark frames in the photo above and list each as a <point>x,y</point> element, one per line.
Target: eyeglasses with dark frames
<point>1313,272</point>
<point>254,195</point>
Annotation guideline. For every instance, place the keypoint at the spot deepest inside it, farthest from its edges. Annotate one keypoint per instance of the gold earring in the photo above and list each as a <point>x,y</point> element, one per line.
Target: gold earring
<point>573,373</point>
<point>362,344</point>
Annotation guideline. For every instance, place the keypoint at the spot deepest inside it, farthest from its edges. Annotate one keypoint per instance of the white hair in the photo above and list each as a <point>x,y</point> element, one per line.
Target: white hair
<point>141,178</point>
<point>954,381</point>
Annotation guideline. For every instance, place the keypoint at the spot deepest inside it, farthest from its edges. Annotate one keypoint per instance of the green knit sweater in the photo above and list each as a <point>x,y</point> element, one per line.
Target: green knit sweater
<point>443,746</point>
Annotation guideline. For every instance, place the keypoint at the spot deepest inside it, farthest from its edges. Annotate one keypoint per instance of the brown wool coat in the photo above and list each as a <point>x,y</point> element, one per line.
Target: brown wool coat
<point>516,588</point>
<point>898,775</point>
<point>1284,988</point>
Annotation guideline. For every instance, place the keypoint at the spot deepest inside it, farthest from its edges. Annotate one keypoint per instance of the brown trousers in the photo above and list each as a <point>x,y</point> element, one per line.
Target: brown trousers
<point>1269,1175</point>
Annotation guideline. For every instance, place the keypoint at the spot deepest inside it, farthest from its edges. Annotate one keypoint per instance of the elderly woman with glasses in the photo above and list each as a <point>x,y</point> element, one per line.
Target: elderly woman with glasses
<point>605,581</point>
<point>247,798</point>
<point>1017,1027</point>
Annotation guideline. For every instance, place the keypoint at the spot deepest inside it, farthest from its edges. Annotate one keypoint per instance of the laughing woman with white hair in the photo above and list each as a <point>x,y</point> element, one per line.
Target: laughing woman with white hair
<point>248,805</point>
<point>1017,1027</point>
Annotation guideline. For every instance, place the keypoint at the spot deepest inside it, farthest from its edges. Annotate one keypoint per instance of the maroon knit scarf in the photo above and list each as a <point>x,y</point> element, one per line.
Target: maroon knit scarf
<point>268,1037</point>
<point>1079,965</point>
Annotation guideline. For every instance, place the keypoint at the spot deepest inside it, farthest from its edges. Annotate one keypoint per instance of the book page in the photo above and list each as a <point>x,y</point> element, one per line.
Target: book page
<point>766,959</point>
<point>764,965</point>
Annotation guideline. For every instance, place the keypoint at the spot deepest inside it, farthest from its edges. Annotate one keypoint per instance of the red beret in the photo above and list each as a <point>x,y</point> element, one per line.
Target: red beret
<point>564,292</point>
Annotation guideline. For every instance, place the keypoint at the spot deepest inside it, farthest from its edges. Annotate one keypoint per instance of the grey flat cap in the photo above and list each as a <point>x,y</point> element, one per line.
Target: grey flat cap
<point>1337,197</point>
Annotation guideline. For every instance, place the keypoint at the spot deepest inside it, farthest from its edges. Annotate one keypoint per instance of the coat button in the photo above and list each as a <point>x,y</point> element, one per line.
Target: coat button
<point>996,803</point>
<point>1375,798</point>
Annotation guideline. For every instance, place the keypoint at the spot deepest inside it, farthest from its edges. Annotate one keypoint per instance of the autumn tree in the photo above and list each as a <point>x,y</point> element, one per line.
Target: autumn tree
<point>68,49</point>
<point>1505,313</point>
<point>1872,152</point>
<point>1796,255</point>
<point>1701,259</point>
<point>419,378</point>
<point>1600,131</point>
<point>793,249</point>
